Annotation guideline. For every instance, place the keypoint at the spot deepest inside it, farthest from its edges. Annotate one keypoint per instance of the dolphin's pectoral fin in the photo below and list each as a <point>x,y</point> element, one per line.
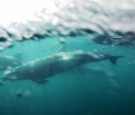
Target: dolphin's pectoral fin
<point>113,59</point>
<point>40,81</point>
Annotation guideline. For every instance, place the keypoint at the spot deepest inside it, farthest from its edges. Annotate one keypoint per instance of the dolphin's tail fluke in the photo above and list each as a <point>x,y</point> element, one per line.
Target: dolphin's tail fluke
<point>113,59</point>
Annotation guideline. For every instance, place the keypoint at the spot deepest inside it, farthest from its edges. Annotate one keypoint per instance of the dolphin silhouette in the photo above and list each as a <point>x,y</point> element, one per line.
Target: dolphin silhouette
<point>41,69</point>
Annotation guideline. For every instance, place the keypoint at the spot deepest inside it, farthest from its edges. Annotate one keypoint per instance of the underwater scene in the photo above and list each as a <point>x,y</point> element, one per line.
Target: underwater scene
<point>67,57</point>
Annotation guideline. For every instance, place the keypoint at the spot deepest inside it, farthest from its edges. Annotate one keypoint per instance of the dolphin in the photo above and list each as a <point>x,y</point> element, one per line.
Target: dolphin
<point>41,69</point>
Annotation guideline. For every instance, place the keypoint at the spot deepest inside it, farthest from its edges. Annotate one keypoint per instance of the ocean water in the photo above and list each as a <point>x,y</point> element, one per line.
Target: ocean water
<point>102,89</point>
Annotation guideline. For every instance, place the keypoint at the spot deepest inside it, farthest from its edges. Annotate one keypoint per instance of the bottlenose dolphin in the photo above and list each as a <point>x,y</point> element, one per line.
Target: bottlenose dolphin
<point>41,69</point>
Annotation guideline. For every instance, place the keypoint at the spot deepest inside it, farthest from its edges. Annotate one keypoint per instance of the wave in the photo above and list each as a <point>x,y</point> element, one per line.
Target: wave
<point>108,23</point>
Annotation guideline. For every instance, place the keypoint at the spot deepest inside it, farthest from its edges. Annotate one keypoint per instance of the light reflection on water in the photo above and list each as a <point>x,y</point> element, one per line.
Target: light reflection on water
<point>105,89</point>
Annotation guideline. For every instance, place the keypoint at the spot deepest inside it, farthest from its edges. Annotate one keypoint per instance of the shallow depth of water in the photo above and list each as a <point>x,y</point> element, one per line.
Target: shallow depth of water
<point>104,89</point>
<point>108,89</point>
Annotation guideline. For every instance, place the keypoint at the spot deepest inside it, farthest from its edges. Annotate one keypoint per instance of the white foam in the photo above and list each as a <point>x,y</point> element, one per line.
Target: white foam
<point>23,10</point>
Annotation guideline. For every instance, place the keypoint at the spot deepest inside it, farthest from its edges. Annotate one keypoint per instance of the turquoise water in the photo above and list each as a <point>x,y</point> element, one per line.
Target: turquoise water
<point>105,89</point>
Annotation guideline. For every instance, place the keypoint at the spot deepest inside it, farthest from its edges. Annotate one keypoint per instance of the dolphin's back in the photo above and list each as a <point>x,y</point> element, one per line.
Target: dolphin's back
<point>48,66</point>
<point>40,69</point>
<point>58,63</point>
